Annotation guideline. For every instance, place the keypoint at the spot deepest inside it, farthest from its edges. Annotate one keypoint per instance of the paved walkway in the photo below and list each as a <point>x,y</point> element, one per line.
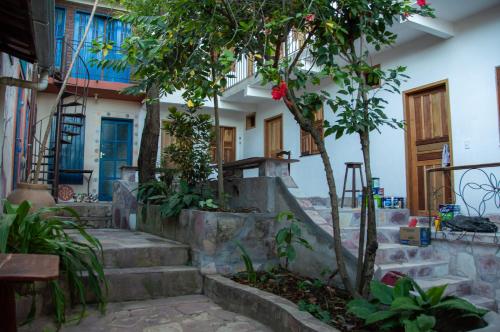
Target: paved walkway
<point>192,313</point>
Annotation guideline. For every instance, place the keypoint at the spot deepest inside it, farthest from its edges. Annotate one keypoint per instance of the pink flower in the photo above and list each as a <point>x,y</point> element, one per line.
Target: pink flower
<point>421,3</point>
<point>279,91</point>
<point>310,17</point>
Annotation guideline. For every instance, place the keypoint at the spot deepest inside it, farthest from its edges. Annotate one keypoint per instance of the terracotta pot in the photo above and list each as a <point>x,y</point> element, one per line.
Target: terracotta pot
<point>37,194</point>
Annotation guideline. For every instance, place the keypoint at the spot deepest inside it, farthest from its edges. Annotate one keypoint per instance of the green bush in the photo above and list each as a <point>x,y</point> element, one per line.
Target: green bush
<point>190,150</point>
<point>40,233</point>
<point>406,307</point>
<point>288,236</point>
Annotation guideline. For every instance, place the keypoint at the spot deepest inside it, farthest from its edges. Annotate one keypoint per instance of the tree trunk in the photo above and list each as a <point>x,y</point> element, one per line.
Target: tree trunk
<point>150,136</point>
<point>361,242</point>
<point>371,233</point>
<point>337,240</point>
<point>220,156</point>
<point>218,142</point>
<point>307,126</point>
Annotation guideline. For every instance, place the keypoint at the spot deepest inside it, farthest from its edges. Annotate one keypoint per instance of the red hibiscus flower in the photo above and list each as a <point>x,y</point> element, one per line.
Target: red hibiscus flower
<point>279,91</point>
<point>310,17</point>
<point>421,2</point>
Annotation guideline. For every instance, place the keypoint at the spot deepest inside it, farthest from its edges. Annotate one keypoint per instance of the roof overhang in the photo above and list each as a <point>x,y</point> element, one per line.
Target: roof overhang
<point>27,30</point>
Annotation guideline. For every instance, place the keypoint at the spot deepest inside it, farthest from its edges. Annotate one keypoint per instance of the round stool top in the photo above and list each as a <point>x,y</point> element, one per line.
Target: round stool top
<point>353,164</point>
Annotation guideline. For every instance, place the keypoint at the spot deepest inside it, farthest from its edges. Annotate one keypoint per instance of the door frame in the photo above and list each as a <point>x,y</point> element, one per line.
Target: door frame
<point>408,149</point>
<point>266,138</point>
<point>130,140</point>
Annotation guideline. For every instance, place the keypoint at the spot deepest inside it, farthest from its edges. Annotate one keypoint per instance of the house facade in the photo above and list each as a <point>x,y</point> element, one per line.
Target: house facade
<point>450,99</point>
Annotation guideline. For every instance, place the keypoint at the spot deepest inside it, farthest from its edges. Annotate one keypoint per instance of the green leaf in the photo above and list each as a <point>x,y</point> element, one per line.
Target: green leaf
<point>5,222</point>
<point>435,294</point>
<point>411,326</point>
<point>459,304</point>
<point>425,322</point>
<point>382,292</point>
<point>404,304</point>
<point>361,308</point>
<point>379,316</point>
<point>402,287</point>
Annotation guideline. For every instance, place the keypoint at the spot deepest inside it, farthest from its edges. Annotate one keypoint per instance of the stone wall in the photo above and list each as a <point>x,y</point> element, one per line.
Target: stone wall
<point>124,206</point>
<point>212,235</point>
<point>473,256</point>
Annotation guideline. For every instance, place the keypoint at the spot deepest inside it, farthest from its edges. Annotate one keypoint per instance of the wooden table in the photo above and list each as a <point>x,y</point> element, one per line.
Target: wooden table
<point>272,167</point>
<point>15,268</point>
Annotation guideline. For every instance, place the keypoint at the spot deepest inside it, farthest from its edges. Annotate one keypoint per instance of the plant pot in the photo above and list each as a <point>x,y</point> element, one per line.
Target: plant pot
<point>37,194</point>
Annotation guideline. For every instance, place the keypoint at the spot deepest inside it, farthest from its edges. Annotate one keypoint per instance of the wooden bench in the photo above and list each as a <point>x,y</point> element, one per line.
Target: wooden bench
<point>15,268</point>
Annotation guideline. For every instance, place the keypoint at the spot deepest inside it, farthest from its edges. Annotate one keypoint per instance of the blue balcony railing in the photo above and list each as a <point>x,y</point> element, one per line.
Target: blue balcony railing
<point>86,55</point>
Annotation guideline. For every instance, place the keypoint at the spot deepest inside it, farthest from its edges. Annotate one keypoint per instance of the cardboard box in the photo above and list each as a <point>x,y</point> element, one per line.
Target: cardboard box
<point>415,236</point>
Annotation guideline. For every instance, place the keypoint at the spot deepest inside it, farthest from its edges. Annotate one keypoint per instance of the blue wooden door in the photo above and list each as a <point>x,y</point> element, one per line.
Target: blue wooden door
<point>116,151</point>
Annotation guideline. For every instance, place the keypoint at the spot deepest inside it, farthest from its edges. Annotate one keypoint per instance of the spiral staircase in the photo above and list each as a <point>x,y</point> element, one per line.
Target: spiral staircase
<point>67,123</point>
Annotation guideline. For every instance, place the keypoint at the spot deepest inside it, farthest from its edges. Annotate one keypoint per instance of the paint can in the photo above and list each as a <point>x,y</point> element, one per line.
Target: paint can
<point>387,202</point>
<point>398,203</point>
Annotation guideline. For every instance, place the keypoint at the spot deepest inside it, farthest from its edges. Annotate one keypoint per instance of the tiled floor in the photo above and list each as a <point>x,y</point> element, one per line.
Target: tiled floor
<point>193,313</point>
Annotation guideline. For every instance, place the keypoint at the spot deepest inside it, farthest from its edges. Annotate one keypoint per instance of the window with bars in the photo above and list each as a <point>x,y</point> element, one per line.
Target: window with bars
<point>307,145</point>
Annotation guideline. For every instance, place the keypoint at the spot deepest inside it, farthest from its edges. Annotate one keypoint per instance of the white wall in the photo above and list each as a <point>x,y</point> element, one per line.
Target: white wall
<point>96,110</point>
<point>10,67</point>
<point>467,61</point>
<point>227,118</point>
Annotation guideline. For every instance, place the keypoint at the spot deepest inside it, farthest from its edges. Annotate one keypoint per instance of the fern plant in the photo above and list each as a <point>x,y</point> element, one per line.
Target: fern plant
<point>41,233</point>
<point>407,307</point>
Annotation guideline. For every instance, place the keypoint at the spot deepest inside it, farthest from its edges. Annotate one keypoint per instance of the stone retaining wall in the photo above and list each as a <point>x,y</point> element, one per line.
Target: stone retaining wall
<point>274,311</point>
<point>475,256</point>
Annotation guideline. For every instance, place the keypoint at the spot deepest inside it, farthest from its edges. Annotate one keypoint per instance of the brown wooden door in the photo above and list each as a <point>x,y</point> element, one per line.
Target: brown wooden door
<point>273,136</point>
<point>228,140</point>
<point>428,130</point>
<point>166,140</point>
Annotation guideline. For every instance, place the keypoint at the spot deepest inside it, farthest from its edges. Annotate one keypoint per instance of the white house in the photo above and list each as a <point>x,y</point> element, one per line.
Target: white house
<point>451,98</point>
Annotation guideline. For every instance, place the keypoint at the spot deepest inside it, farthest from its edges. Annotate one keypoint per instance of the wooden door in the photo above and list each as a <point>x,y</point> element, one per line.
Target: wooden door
<point>116,151</point>
<point>228,142</point>
<point>273,136</point>
<point>428,130</point>
<point>166,140</point>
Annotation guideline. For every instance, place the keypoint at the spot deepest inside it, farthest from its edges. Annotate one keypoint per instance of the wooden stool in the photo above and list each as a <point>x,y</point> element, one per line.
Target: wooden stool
<point>353,190</point>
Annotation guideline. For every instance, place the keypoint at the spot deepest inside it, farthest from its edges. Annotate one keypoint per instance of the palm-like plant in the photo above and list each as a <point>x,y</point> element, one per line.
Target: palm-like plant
<point>41,232</point>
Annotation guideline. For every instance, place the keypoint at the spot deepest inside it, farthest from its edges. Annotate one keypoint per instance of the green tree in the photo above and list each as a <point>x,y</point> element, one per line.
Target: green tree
<point>335,39</point>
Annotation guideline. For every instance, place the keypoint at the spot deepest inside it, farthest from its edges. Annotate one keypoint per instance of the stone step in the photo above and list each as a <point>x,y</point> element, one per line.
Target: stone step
<point>385,217</point>
<point>385,234</point>
<point>458,286</point>
<point>126,249</point>
<point>431,268</point>
<point>395,252</point>
<point>482,302</point>
<point>142,283</point>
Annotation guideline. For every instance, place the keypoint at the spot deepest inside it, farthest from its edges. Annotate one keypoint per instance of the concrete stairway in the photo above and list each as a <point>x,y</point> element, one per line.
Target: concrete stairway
<point>423,264</point>
<point>140,266</point>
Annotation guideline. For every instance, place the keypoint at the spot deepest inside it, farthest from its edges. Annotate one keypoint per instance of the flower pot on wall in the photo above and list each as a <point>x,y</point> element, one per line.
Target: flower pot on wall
<point>37,194</point>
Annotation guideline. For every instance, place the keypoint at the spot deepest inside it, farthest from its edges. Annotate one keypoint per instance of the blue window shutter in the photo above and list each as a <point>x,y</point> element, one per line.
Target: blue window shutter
<point>59,34</point>
<point>117,31</point>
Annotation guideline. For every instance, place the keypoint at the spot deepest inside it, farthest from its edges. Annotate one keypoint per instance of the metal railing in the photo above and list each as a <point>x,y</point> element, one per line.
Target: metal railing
<point>245,68</point>
<point>477,189</point>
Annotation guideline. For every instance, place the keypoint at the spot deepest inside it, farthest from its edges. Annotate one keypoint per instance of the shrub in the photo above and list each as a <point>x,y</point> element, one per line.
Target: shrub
<point>406,307</point>
<point>288,236</point>
<point>41,233</point>
<point>190,151</point>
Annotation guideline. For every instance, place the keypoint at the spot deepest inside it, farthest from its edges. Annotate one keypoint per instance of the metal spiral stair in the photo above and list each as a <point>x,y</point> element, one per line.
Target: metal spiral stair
<point>67,123</point>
